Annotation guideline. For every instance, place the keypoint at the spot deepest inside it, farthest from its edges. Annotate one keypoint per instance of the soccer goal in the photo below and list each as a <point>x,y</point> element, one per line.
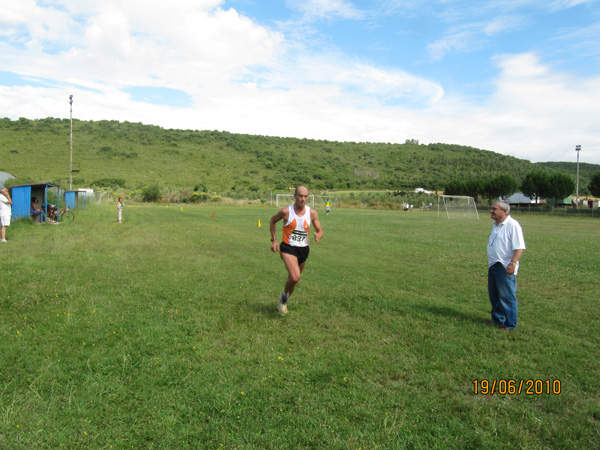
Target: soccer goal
<point>282,200</point>
<point>101,197</point>
<point>314,201</point>
<point>457,206</point>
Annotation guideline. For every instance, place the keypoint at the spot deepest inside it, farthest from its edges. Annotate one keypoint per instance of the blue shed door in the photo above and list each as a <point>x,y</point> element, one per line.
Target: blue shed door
<point>21,198</point>
<point>71,199</point>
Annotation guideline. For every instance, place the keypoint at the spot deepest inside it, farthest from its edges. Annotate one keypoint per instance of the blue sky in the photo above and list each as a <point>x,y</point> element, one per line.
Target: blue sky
<point>518,77</point>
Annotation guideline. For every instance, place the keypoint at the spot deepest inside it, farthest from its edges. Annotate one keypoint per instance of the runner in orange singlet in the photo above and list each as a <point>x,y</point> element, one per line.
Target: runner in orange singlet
<point>297,219</point>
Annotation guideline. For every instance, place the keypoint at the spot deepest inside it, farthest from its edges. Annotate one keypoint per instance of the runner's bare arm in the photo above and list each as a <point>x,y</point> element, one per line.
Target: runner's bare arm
<point>314,219</point>
<point>279,215</point>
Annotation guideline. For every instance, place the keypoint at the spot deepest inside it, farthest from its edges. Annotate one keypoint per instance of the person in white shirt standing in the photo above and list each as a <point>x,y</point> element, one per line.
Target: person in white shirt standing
<point>5,212</point>
<point>505,247</point>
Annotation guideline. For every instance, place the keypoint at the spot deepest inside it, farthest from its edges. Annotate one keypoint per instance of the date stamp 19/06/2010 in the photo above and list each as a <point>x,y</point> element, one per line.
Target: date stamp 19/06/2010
<point>516,387</point>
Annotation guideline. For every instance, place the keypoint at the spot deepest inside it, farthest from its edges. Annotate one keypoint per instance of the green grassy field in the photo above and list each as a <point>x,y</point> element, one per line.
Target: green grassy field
<point>163,333</point>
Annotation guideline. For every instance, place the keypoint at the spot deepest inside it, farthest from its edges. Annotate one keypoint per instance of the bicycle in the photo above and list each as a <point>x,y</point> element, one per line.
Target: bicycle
<point>66,214</point>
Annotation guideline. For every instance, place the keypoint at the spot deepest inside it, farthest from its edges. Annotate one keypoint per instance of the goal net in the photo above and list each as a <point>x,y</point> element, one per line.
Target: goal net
<point>314,201</point>
<point>101,198</point>
<point>453,206</point>
<point>282,200</point>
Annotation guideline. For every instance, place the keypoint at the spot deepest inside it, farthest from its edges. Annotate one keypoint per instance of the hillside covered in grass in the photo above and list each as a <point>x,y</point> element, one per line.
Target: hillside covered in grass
<point>134,155</point>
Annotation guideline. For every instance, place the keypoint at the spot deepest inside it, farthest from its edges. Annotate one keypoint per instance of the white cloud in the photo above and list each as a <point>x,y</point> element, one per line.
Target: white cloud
<point>461,40</point>
<point>536,113</point>
<point>247,78</point>
<point>390,85</point>
<point>565,4</point>
<point>471,36</point>
<point>186,45</point>
<point>37,29</point>
<point>503,24</point>
<point>472,26</point>
<point>326,9</point>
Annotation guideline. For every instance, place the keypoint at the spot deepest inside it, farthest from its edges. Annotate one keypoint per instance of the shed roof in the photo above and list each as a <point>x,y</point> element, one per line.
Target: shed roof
<point>37,184</point>
<point>519,197</point>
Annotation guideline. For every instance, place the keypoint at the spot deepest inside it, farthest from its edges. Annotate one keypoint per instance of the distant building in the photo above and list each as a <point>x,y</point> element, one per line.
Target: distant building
<point>519,198</point>
<point>422,191</point>
<point>561,201</point>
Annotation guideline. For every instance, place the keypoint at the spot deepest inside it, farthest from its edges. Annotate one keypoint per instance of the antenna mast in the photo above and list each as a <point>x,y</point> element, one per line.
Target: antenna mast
<point>71,145</point>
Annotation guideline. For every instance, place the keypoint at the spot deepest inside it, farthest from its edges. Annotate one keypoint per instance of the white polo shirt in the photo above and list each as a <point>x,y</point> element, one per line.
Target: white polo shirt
<point>504,240</point>
<point>5,208</point>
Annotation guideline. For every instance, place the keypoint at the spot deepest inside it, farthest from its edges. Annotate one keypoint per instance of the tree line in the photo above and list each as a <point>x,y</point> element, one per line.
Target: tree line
<point>536,184</point>
<point>127,156</point>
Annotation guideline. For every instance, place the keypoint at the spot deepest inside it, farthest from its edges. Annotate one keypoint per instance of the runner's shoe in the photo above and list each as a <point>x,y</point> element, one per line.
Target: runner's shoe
<point>282,304</point>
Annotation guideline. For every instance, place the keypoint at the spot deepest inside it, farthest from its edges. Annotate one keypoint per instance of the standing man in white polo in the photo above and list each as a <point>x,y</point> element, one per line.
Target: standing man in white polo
<point>505,247</point>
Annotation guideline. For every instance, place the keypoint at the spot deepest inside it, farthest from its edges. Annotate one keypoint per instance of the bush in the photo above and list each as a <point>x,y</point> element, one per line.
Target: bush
<point>197,197</point>
<point>151,193</point>
<point>595,185</point>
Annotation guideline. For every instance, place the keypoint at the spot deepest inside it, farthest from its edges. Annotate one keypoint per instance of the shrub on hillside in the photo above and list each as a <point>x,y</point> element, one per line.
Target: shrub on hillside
<point>151,193</point>
<point>198,197</point>
<point>200,187</point>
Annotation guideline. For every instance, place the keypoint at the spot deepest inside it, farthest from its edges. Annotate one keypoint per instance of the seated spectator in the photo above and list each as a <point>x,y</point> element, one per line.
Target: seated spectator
<point>36,211</point>
<point>51,210</point>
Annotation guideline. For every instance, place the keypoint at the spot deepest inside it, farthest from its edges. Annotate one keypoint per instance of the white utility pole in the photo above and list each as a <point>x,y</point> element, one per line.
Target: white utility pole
<point>71,146</point>
<point>577,149</point>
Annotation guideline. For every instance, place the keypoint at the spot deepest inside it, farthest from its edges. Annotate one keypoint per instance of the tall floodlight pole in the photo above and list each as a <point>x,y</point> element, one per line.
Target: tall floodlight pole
<point>71,145</point>
<point>577,149</point>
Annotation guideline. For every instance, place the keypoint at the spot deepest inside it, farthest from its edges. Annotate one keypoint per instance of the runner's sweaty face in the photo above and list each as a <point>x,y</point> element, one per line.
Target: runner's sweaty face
<point>301,196</point>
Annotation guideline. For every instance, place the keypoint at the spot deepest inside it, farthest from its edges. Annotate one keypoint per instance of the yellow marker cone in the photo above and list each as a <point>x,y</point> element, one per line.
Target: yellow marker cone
<point>258,223</point>
<point>182,208</point>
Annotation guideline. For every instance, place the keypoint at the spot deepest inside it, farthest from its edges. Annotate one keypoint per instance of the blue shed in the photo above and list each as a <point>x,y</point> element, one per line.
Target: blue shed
<point>22,195</point>
<point>71,199</point>
<point>75,199</point>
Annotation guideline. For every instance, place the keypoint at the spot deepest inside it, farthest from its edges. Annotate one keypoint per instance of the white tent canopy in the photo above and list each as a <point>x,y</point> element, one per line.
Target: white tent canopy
<point>5,176</point>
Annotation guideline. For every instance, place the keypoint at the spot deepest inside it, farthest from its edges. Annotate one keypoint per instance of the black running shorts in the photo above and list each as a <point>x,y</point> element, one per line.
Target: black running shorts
<point>299,252</point>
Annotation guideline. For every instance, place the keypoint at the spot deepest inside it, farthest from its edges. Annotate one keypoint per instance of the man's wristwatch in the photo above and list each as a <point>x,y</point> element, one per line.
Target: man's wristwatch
<point>272,239</point>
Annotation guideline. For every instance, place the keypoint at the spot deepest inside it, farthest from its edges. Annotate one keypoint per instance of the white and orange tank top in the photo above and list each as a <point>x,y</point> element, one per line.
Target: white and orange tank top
<point>296,229</point>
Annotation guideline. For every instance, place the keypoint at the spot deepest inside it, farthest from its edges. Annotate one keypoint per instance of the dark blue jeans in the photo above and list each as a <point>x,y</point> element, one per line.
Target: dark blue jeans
<point>39,213</point>
<point>502,289</point>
